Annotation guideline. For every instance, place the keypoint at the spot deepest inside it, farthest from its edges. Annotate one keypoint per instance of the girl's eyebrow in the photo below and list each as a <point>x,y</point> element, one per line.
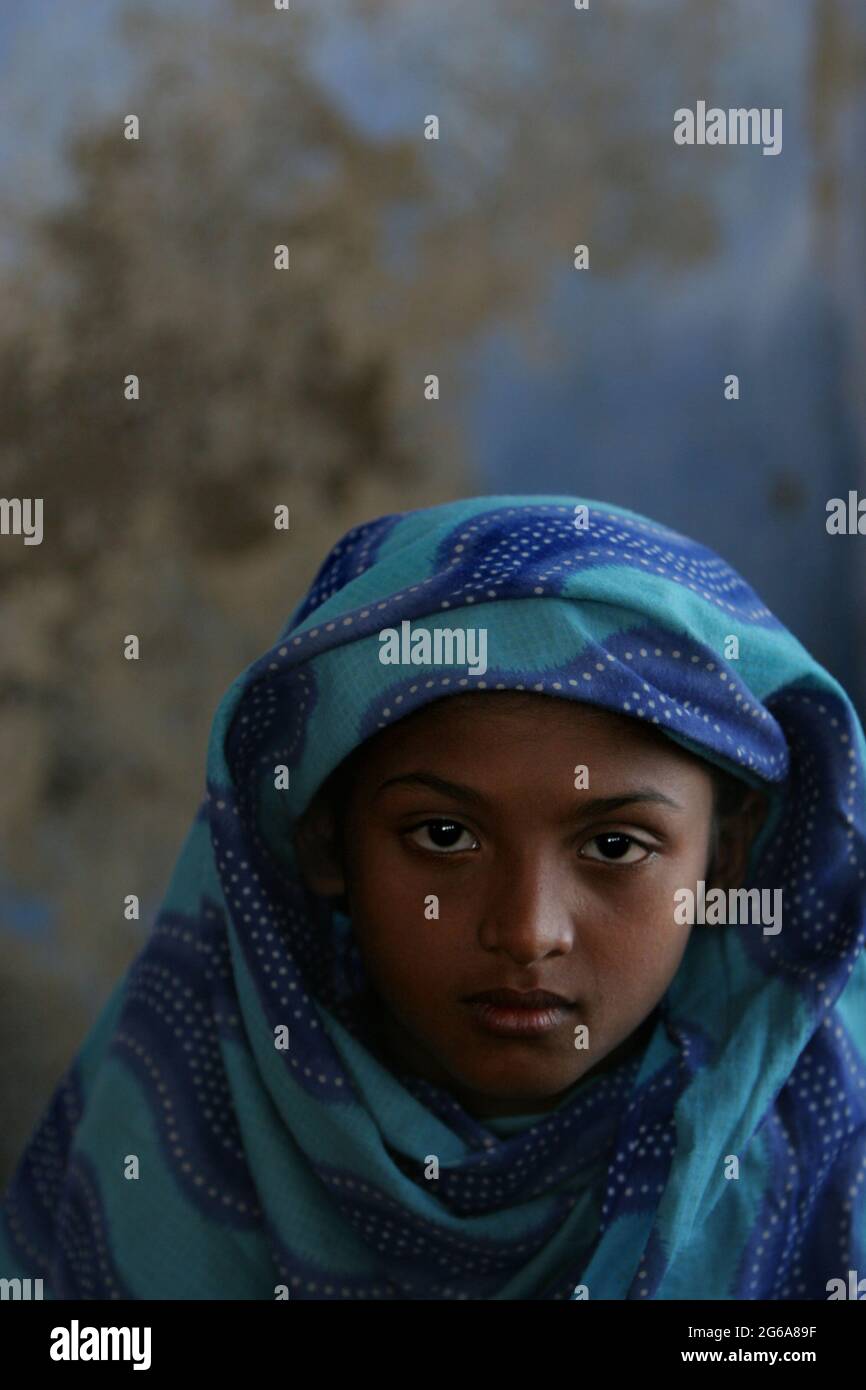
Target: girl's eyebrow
<point>436,784</point>
<point>587,808</point>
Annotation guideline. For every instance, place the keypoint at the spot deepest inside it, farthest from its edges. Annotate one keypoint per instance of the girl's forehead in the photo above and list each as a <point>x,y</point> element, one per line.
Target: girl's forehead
<point>443,727</point>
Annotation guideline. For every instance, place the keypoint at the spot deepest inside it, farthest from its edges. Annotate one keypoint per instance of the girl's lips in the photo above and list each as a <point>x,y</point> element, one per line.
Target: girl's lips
<point>515,1021</point>
<point>520,999</point>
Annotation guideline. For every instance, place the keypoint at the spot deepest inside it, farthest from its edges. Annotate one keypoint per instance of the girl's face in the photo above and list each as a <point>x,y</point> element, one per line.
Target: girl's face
<point>471,863</point>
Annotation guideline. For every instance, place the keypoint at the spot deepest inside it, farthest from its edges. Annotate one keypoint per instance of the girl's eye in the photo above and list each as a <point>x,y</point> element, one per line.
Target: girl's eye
<point>444,834</point>
<point>617,848</point>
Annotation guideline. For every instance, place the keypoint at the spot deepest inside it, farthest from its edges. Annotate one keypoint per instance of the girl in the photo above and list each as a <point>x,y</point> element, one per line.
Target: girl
<point>422,1016</point>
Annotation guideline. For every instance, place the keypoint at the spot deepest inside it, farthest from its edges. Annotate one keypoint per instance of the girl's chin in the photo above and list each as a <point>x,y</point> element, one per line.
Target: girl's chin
<point>486,1106</point>
<point>485,1097</point>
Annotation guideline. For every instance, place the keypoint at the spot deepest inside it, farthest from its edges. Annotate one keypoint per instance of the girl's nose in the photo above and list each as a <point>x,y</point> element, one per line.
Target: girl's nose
<point>527,912</point>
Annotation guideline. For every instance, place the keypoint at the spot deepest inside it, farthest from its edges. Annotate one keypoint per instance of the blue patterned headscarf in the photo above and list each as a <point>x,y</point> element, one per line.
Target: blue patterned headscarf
<point>300,1170</point>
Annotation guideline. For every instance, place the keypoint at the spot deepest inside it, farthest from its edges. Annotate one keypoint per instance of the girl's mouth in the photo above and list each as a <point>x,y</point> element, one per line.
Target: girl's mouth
<point>513,1014</point>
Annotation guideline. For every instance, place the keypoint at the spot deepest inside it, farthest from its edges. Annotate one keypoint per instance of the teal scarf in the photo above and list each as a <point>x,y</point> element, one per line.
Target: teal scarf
<point>183,1155</point>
